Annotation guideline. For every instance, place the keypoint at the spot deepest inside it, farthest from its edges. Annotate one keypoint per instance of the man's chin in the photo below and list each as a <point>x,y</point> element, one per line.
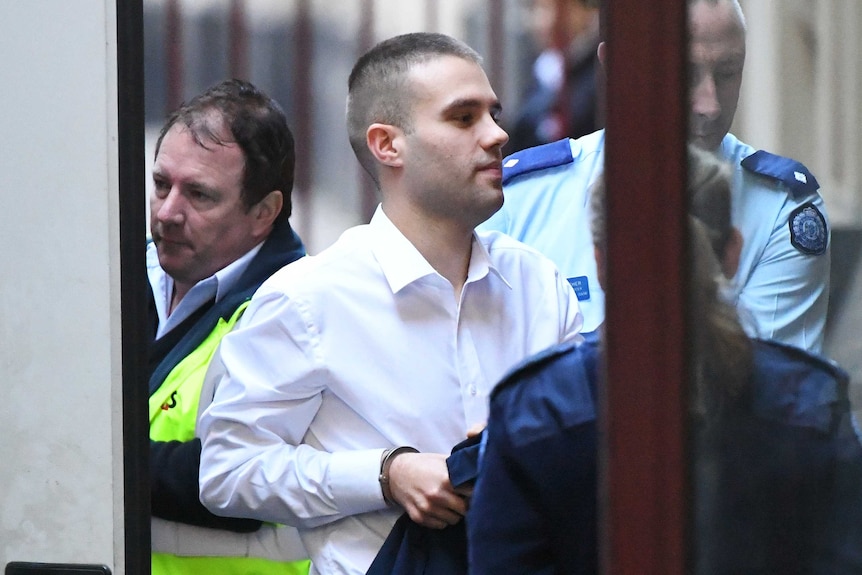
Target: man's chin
<point>709,142</point>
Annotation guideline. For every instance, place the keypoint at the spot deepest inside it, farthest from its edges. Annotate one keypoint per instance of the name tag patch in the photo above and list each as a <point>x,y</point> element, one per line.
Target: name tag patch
<point>581,285</point>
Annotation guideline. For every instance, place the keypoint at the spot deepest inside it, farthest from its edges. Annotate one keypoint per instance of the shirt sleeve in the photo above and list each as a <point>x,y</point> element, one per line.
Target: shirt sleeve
<point>570,311</point>
<point>787,292</point>
<point>255,460</point>
<point>174,488</point>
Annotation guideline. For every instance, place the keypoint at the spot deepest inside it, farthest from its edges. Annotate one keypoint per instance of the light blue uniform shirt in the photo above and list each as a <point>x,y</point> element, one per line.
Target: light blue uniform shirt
<point>782,286</point>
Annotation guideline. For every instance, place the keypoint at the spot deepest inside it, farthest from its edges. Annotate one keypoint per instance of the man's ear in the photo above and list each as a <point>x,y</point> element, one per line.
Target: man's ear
<point>599,254</point>
<point>602,53</point>
<point>732,251</point>
<point>384,143</point>
<point>265,212</point>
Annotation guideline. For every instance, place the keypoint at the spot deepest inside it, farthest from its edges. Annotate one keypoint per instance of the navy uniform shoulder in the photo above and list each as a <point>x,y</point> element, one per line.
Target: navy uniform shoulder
<point>550,392</point>
<point>798,388</point>
<point>803,356</point>
<point>537,158</point>
<point>792,174</point>
<point>533,364</point>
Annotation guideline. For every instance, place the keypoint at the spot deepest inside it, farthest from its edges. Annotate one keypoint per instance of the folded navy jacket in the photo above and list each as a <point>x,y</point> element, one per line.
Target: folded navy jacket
<point>411,549</point>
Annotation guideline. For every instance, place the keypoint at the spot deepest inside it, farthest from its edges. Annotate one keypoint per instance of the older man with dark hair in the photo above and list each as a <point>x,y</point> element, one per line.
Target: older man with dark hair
<point>222,176</point>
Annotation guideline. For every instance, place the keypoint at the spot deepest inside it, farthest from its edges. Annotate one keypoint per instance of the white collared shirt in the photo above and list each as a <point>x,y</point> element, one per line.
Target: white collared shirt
<point>362,348</point>
<point>216,286</point>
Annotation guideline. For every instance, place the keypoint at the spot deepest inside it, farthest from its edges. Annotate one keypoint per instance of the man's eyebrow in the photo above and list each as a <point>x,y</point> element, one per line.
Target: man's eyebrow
<point>495,107</point>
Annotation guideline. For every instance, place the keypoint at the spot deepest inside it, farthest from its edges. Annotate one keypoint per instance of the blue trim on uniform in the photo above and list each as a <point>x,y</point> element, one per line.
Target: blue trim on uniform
<point>789,172</point>
<point>537,158</point>
<point>808,231</point>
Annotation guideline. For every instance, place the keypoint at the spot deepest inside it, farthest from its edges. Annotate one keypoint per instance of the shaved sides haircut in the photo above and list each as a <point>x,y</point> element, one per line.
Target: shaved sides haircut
<point>378,89</point>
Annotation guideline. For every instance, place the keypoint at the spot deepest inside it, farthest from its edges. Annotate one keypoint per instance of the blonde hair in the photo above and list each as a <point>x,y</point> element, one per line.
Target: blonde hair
<point>721,351</point>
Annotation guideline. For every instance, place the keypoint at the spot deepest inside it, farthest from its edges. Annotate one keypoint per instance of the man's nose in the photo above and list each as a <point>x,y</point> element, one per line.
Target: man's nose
<point>170,209</point>
<point>495,136</point>
<point>704,98</point>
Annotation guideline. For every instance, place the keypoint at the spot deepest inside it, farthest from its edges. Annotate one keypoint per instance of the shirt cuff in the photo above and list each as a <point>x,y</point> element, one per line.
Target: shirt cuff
<point>355,484</point>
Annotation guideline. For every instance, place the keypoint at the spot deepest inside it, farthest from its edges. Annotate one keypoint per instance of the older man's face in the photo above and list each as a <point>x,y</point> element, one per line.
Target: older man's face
<point>717,56</point>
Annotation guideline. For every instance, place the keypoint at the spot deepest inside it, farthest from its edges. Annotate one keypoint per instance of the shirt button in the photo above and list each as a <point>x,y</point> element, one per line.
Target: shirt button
<point>472,390</point>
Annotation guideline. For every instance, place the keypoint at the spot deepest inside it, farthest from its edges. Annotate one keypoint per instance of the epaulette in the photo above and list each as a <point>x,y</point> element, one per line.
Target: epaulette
<point>532,363</point>
<point>789,172</point>
<point>798,388</point>
<point>537,158</point>
<point>819,361</point>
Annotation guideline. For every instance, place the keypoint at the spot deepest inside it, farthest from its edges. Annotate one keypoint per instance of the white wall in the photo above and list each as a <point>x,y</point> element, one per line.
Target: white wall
<point>60,431</point>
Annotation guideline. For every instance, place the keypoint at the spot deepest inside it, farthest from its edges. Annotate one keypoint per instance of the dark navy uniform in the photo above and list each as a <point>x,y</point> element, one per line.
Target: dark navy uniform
<point>777,481</point>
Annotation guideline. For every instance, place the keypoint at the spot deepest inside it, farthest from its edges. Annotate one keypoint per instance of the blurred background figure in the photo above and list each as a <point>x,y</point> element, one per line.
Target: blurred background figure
<point>561,100</point>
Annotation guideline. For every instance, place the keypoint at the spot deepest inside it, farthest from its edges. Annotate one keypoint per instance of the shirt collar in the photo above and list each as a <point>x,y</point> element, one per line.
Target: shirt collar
<point>217,285</point>
<point>228,276</point>
<point>402,264</point>
<point>481,264</point>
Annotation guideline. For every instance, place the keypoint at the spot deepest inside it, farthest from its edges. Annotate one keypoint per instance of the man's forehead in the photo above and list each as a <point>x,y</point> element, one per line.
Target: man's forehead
<point>716,32</point>
<point>450,77</point>
<point>713,19</point>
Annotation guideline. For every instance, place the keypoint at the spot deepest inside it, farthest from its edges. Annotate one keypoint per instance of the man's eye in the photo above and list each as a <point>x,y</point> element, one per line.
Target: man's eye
<point>161,187</point>
<point>726,73</point>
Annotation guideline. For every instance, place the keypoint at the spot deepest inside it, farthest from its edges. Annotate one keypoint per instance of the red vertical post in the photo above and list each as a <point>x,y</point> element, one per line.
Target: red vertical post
<point>644,500</point>
<point>238,41</point>
<point>174,63</point>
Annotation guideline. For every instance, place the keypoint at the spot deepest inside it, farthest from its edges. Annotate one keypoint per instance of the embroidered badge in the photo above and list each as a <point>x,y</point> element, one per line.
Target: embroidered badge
<point>808,230</point>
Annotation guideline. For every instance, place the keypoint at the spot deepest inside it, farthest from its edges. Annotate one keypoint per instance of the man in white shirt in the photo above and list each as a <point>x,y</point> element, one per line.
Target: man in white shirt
<point>390,341</point>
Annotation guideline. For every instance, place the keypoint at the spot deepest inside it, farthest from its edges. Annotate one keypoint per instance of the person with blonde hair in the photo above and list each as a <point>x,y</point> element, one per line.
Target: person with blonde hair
<point>776,462</point>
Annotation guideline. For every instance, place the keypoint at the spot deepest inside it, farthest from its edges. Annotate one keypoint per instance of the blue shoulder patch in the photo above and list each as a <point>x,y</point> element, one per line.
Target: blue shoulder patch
<point>784,170</point>
<point>537,158</point>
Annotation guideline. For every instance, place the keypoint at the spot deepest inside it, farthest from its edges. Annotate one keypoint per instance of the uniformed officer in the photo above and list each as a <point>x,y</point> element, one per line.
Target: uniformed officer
<point>782,286</point>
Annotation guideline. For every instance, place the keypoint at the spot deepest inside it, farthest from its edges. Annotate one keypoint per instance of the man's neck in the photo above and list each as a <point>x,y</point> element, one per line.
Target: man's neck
<point>180,291</point>
<point>446,245</point>
<point>449,254</point>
